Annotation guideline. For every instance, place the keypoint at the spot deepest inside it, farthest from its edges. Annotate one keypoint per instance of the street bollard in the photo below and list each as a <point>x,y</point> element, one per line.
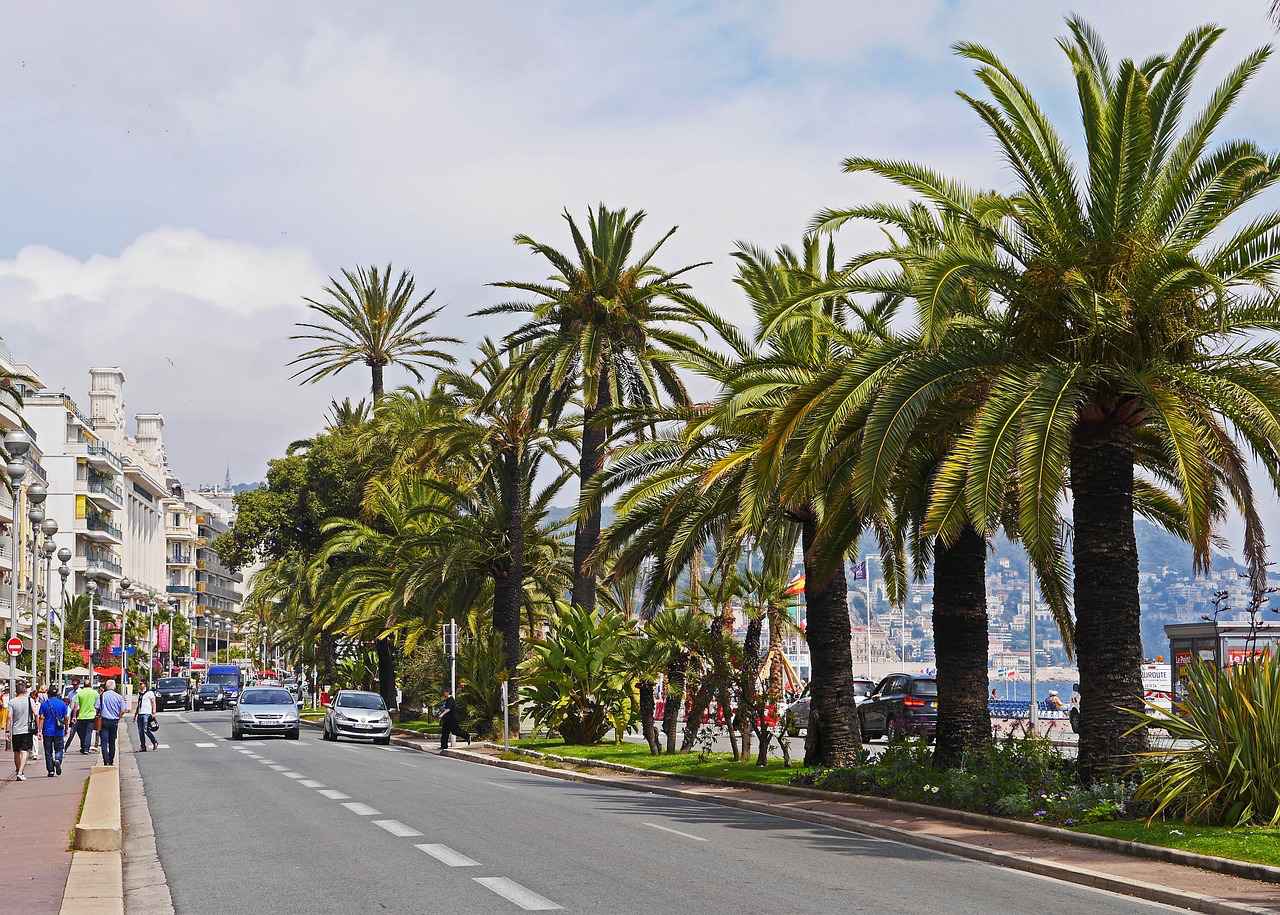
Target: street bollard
<point>504,714</point>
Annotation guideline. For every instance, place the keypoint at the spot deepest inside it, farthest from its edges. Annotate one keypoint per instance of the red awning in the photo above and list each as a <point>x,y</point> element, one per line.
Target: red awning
<point>107,671</point>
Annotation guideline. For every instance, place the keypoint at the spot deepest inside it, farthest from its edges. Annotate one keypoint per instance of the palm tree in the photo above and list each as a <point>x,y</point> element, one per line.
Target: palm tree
<point>599,326</point>
<point>368,321</point>
<point>1121,347</point>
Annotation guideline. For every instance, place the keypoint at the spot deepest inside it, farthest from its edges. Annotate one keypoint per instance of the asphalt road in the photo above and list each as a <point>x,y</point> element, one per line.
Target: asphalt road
<point>276,826</point>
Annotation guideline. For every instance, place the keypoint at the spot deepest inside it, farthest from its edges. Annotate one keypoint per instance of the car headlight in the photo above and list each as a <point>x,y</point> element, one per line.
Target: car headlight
<point>342,717</point>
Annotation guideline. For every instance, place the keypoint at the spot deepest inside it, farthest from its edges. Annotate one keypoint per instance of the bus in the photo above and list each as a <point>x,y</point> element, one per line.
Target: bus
<point>229,676</point>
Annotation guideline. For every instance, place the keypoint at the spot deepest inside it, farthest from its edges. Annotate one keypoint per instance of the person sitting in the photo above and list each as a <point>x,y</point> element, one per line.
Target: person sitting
<point>1054,702</point>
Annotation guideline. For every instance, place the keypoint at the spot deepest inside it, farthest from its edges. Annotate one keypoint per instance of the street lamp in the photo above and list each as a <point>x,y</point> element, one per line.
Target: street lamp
<point>16,444</point>
<point>91,587</point>
<point>64,572</point>
<point>48,548</point>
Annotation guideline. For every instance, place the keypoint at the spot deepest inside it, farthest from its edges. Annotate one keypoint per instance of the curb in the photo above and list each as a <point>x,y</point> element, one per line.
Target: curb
<point>99,826</point>
<point>1244,869</point>
<point>1151,892</point>
<point>95,885</point>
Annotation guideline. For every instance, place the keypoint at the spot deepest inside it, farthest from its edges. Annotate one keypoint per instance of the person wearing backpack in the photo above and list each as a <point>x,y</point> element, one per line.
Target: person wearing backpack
<point>22,727</point>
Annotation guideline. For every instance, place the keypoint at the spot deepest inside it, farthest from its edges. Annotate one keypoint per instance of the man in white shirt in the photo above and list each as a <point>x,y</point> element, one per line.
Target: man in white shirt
<point>143,714</point>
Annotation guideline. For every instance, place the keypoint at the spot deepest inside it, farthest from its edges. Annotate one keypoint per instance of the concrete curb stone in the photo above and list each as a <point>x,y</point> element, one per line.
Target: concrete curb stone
<point>1128,887</point>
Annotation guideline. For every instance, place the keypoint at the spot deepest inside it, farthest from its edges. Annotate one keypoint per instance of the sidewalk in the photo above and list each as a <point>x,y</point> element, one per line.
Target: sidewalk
<point>36,821</point>
<point>1202,890</point>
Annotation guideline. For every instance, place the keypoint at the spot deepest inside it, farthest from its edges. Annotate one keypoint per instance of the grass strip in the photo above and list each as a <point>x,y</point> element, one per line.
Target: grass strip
<point>1258,844</point>
<point>711,765</point>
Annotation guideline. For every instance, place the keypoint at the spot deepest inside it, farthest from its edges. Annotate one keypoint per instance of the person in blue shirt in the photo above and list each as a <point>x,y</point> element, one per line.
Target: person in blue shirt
<point>54,718</point>
<point>110,707</point>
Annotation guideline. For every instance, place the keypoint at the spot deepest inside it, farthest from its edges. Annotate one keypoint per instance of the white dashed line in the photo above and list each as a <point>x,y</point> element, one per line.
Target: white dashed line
<point>278,768</point>
<point>447,856</point>
<point>206,745</point>
<point>162,746</point>
<point>310,783</point>
<point>293,775</point>
<point>263,759</point>
<point>501,785</point>
<point>676,832</point>
<point>410,765</point>
<point>513,892</point>
<point>396,828</point>
<point>334,795</point>
<point>362,810</point>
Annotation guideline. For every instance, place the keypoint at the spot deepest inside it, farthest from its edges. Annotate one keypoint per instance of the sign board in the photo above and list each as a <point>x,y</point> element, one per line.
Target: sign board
<point>14,646</point>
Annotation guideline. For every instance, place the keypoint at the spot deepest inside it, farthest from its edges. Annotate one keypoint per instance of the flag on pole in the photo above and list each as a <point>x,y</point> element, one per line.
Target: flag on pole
<point>860,571</point>
<point>796,586</point>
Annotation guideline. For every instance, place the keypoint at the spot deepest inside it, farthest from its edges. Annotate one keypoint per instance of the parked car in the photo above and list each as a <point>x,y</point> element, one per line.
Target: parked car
<point>173,692</point>
<point>902,705</point>
<point>265,710</point>
<point>355,713</point>
<point>210,695</point>
<point>797,713</point>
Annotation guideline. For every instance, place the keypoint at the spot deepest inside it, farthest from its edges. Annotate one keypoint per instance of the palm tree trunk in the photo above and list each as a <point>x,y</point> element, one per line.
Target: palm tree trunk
<point>839,737</point>
<point>674,699</point>
<point>747,692</point>
<point>646,716</point>
<point>386,654</point>
<point>960,640</point>
<point>587,533</point>
<point>1108,633</point>
<point>376,371</point>
<point>508,587</point>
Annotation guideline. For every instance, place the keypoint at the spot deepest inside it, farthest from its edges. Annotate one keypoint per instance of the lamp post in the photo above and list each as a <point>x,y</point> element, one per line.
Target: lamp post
<point>36,494</point>
<point>48,548</point>
<point>91,586</point>
<point>16,444</point>
<point>64,572</point>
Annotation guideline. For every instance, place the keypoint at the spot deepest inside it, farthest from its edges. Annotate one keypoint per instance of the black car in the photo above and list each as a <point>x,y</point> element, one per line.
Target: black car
<point>173,692</point>
<point>902,705</point>
<point>210,695</point>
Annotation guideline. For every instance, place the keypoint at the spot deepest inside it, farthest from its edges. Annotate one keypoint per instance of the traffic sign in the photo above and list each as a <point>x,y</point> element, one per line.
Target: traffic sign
<point>14,646</point>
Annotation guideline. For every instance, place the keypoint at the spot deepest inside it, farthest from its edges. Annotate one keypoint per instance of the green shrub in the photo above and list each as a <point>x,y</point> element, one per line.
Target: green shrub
<point>1227,772</point>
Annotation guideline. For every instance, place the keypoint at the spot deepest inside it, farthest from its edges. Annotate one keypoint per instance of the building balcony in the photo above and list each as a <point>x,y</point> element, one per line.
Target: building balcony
<point>95,566</point>
<point>100,457</point>
<point>179,533</point>
<point>179,559</point>
<point>109,603</point>
<point>103,494</point>
<point>100,530</point>
<point>179,589</point>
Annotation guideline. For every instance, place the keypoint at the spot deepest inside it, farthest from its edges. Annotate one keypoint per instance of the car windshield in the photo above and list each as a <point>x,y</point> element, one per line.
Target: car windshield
<point>266,697</point>
<point>924,687</point>
<point>209,689</point>
<point>171,683</point>
<point>361,700</point>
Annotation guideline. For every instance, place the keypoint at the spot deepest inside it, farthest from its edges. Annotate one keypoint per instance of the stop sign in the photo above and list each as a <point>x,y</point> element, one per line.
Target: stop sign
<point>14,646</point>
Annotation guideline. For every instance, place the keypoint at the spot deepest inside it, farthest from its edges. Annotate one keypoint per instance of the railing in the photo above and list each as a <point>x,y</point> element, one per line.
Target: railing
<point>179,589</point>
<point>104,451</point>
<point>37,471</point>
<point>179,559</point>
<point>106,527</point>
<point>103,562</point>
<point>106,489</point>
<point>108,603</point>
<point>232,596</point>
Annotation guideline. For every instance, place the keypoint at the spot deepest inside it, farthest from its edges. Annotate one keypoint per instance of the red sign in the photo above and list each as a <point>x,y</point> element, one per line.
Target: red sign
<point>14,646</point>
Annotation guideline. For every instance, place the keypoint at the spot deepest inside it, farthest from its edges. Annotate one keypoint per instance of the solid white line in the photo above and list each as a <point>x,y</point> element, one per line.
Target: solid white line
<point>334,795</point>
<point>293,775</point>
<point>392,749</point>
<point>447,856</point>
<point>515,893</point>
<point>206,745</point>
<point>310,783</point>
<point>396,828</point>
<point>362,810</point>
<point>676,832</point>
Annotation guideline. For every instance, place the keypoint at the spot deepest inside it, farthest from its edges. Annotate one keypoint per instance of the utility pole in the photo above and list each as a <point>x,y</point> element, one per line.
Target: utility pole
<point>1031,669</point>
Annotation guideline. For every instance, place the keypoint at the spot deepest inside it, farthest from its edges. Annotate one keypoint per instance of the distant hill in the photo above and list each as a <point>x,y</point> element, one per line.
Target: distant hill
<point>246,487</point>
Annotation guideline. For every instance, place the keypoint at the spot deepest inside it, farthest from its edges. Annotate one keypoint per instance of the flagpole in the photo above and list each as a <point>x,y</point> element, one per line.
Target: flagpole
<point>866,573</point>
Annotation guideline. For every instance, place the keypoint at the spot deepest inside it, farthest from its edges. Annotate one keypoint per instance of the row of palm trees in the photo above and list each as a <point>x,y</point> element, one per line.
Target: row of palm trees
<point>1046,361</point>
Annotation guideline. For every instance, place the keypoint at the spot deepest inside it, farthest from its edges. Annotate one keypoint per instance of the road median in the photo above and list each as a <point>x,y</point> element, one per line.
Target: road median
<point>1091,865</point>
<point>98,829</point>
<point>95,884</point>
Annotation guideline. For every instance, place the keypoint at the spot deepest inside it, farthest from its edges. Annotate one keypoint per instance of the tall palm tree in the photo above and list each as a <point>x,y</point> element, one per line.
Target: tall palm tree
<point>599,326</point>
<point>368,321</point>
<point>1123,334</point>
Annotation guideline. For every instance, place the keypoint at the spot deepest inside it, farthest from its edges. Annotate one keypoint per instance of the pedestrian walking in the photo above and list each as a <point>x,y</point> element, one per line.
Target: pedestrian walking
<point>110,707</point>
<point>4,717</point>
<point>38,695</point>
<point>449,721</point>
<point>97,721</point>
<point>22,727</point>
<point>143,715</point>
<point>54,718</point>
<point>85,702</point>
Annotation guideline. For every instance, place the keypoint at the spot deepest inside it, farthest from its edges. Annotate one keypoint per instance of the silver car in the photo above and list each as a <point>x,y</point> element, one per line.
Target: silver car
<point>797,713</point>
<point>354,713</point>
<point>265,710</point>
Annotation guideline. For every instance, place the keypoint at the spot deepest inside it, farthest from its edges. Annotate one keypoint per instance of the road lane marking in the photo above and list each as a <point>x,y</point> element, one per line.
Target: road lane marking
<point>310,783</point>
<point>410,765</point>
<point>362,810</point>
<point>263,759</point>
<point>334,795</point>
<point>293,775</point>
<point>278,768</point>
<point>392,749</point>
<point>396,828</point>
<point>447,856</point>
<point>676,832</point>
<point>206,745</point>
<point>501,785</point>
<point>162,746</point>
<point>513,892</point>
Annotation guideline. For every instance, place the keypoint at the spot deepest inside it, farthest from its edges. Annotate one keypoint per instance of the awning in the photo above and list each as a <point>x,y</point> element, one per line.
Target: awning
<point>107,671</point>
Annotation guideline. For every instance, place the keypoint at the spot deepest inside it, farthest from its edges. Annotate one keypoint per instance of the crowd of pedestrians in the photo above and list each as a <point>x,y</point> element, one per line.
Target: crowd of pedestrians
<point>90,714</point>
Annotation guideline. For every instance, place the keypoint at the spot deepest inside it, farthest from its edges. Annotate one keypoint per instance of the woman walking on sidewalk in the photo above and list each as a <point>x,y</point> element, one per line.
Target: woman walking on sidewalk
<point>22,726</point>
<point>143,714</point>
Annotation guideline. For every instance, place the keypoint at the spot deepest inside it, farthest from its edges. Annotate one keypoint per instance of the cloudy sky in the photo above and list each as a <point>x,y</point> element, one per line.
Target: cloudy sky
<point>176,176</point>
